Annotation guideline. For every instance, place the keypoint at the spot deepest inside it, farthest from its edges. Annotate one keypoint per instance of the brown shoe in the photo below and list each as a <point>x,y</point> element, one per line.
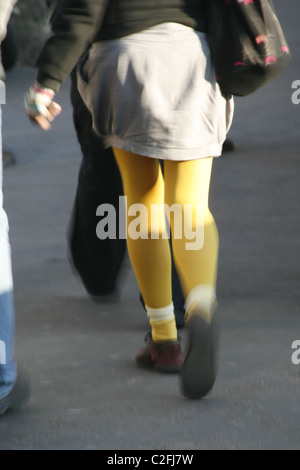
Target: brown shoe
<point>166,357</point>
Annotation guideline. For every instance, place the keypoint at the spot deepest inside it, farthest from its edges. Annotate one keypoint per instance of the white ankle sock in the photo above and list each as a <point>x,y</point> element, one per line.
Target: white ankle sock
<point>163,323</point>
<point>204,299</point>
<point>161,314</point>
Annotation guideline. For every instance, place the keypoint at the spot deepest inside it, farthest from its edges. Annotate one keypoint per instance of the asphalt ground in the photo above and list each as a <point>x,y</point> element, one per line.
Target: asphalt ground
<point>87,393</point>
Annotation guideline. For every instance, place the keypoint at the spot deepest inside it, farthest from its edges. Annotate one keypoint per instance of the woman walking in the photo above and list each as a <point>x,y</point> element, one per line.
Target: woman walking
<point>148,81</point>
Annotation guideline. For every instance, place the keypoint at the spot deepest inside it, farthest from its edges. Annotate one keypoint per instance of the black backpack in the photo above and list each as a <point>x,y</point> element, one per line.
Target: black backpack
<point>248,46</point>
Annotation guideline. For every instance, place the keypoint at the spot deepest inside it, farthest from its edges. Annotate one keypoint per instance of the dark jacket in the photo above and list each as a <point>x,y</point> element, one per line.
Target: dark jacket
<point>77,23</point>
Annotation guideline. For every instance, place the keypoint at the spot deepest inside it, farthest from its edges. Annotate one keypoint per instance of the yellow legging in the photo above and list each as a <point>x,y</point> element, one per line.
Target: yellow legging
<point>182,183</point>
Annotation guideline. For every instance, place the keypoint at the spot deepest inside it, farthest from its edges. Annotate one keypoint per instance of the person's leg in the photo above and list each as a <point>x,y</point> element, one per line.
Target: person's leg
<point>8,370</point>
<point>9,48</point>
<point>187,185</point>
<point>98,262</point>
<point>8,373</point>
<point>177,294</point>
<point>148,250</point>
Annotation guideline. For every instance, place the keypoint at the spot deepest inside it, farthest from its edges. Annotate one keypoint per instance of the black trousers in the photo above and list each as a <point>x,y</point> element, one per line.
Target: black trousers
<point>9,48</point>
<point>98,262</point>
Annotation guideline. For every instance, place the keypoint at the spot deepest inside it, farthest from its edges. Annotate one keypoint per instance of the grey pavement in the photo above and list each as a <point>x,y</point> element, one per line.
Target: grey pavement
<point>86,391</point>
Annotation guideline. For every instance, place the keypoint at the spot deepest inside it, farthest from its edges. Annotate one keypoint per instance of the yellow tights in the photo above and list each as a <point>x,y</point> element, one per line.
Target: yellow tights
<point>183,183</point>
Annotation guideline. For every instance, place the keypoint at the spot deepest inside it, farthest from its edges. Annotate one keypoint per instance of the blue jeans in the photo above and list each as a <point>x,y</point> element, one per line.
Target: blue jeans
<point>8,369</point>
